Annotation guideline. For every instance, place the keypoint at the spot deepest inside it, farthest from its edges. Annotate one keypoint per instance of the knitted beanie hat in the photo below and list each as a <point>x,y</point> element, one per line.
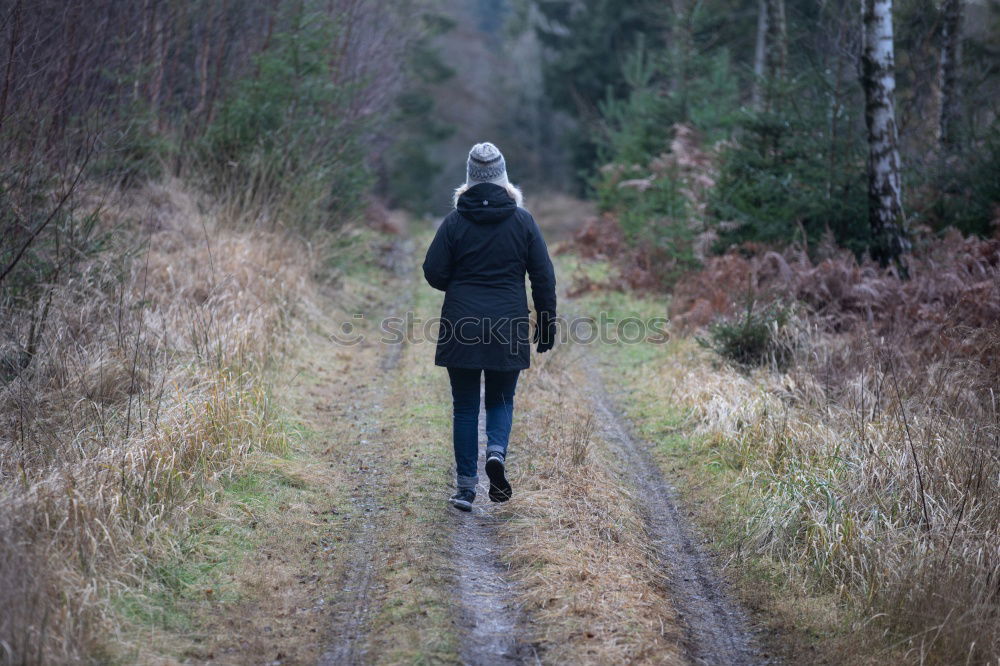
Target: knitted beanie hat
<point>486,165</point>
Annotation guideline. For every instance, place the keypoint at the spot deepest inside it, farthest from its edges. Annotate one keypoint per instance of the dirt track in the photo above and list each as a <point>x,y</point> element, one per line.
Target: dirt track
<point>490,625</point>
<point>352,611</point>
<point>717,629</point>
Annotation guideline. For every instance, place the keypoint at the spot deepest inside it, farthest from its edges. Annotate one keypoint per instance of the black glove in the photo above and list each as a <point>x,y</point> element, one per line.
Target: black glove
<point>545,332</point>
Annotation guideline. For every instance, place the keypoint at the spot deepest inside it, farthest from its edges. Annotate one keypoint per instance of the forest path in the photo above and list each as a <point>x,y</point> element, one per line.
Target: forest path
<point>489,623</point>
<point>491,620</point>
<point>403,577</point>
<point>717,629</point>
<point>353,607</point>
<point>489,627</point>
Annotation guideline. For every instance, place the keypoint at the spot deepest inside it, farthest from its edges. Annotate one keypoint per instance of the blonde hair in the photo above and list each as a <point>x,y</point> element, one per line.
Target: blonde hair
<point>513,190</point>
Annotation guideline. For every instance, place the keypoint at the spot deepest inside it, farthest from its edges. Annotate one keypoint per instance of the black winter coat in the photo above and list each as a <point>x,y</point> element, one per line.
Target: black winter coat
<point>479,257</point>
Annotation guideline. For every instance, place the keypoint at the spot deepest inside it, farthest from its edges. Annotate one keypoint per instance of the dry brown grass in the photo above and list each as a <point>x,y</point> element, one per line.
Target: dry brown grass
<point>277,606</point>
<point>866,469</point>
<point>578,544</point>
<point>146,390</point>
<point>879,489</point>
<point>875,458</point>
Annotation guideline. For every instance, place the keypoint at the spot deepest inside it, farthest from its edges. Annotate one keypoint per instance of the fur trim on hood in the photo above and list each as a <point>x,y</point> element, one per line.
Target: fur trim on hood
<point>513,190</point>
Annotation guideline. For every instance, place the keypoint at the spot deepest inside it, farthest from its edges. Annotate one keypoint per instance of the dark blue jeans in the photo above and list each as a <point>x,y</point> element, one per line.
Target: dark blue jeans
<point>499,399</point>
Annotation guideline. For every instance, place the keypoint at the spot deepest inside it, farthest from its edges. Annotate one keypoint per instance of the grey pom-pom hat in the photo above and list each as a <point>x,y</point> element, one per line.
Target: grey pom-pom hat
<point>486,165</point>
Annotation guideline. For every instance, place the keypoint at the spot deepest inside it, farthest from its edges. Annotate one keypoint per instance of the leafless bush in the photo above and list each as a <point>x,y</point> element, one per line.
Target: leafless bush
<point>135,320</point>
<point>118,92</point>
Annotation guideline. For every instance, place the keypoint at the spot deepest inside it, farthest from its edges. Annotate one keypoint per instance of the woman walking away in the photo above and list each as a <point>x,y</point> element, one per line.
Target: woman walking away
<point>478,258</point>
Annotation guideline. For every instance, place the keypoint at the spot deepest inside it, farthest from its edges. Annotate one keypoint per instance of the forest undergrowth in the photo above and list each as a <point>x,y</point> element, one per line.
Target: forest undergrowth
<point>855,414</point>
<point>152,392</point>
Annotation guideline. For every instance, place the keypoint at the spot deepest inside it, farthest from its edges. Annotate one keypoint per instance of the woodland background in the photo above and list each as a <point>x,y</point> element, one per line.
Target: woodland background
<point>736,179</point>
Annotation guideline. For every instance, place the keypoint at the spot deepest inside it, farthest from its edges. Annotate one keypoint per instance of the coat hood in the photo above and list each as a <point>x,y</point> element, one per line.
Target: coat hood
<point>486,202</point>
<point>513,190</point>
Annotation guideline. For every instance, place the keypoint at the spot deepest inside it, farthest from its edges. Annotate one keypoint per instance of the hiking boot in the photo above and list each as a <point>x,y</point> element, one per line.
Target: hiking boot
<point>463,499</point>
<point>500,490</point>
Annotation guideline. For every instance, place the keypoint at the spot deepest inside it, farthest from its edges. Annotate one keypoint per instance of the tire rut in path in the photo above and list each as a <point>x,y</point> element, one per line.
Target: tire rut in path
<point>352,612</point>
<point>491,622</point>
<point>717,629</point>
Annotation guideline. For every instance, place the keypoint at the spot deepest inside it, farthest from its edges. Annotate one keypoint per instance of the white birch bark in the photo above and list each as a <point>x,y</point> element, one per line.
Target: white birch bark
<point>885,209</point>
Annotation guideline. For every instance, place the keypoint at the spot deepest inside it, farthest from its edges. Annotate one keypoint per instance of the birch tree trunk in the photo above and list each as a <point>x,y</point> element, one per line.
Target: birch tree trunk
<point>885,208</point>
<point>759,55</point>
<point>770,53</point>
<point>950,64</point>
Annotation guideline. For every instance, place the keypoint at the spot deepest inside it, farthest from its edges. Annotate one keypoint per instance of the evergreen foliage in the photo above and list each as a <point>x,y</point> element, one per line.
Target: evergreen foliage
<point>755,337</point>
<point>287,129</point>
<point>795,166</point>
<point>410,169</point>
<point>587,43</point>
<point>788,173</point>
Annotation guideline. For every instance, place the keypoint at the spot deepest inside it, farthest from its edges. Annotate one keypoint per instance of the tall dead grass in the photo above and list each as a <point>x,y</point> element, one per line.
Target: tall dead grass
<point>578,542</point>
<point>146,389</point>
<point>873,464</point>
